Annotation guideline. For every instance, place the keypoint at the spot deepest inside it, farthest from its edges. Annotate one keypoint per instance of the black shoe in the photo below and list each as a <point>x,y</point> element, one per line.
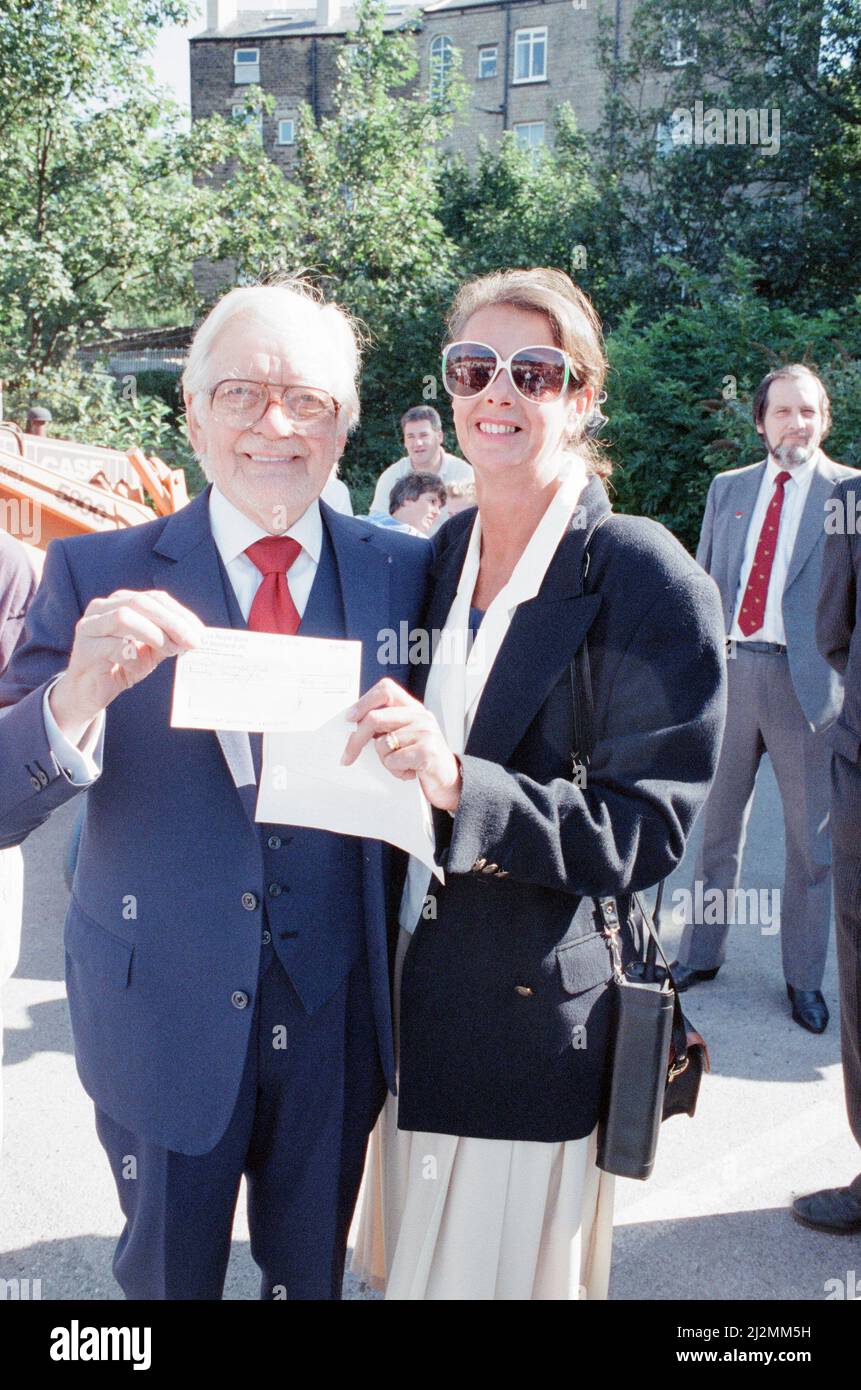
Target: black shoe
<point>684,976</point>
<point>835,1209</point>
<point>809,1009</point>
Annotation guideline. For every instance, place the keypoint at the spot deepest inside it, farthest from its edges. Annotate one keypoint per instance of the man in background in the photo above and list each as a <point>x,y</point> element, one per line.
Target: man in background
<point>838,636</point>
<point>422,431</point>
<point>38,420</point>
<point>414,505</point>
<point>762,542</point>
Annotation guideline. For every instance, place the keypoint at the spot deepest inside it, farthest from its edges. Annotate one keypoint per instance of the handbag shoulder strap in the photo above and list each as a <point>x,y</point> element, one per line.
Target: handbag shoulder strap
<point>584,741</point>
<point>581,674</point>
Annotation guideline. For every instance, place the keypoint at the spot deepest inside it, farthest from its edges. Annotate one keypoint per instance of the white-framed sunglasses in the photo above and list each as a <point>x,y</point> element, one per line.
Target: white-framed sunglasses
<point>539,374</point>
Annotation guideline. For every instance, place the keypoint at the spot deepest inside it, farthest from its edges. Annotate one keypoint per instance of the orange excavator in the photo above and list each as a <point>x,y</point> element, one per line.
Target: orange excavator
<point>52,488</point>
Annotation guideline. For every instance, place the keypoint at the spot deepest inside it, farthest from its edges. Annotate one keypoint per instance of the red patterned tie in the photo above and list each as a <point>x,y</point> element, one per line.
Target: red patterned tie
<point>752,615</point>
<point>273,609</point>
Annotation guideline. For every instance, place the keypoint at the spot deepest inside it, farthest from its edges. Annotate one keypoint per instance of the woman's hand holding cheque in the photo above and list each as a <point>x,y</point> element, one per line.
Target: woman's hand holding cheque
<point>408,740</point>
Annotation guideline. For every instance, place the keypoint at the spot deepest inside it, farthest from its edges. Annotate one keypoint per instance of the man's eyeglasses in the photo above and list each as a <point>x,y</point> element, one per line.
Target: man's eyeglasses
<point>538,374</point>
<point>243,403</point>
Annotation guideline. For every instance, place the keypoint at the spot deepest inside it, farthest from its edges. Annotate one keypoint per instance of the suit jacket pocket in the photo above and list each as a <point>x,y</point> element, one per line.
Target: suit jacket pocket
<point>584,963</point>
<point>96,949</point>
<point>844,741</point>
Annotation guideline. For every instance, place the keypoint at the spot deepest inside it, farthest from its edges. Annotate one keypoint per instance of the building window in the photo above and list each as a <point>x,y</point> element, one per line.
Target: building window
<point>441,60</point>
<point>678,44</point>
<point>530,55</point>
<point>253,119</point>
<point>487,61</point>
<point>286,130</point>
<point>530,137</point>
<point>246,65</point>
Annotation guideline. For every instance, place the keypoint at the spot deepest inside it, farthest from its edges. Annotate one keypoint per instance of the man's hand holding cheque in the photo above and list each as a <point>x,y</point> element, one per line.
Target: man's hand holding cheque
<point>119,640</point>
<point>408,740</point>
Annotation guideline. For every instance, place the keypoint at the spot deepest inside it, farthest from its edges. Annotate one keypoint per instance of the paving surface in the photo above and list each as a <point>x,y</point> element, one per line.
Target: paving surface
<point>712,1222</point>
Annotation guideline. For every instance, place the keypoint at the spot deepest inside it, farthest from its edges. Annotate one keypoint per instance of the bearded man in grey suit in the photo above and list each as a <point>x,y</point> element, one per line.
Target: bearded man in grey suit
<point>762,542</point>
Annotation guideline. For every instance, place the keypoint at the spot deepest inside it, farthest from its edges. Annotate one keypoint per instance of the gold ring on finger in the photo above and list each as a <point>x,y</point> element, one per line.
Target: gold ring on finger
<point>393,743</point>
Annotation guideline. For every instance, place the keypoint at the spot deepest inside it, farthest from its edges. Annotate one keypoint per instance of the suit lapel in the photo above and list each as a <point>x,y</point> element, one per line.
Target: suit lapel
<point>187,565</point>
<point>812,524</point>
<point>742,498</point>
<point>545,633</point>
<point>364,573</point>
<point>541,642</point>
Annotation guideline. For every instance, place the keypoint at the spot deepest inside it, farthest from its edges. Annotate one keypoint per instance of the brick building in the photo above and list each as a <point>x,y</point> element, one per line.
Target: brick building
<point>520,58</point>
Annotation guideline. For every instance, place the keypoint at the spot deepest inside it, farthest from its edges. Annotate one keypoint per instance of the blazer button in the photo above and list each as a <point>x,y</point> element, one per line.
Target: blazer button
<point>479,864</point>
<point>239,999</point>
<point>42,776</point>
<point>490,869</point>
<point>524,990</point>
<point>249,901</point>
<point>274,842</point>
<point>35,783</point>
<point>501,873</point>
<point>266,938</point>
<point>275,890</point>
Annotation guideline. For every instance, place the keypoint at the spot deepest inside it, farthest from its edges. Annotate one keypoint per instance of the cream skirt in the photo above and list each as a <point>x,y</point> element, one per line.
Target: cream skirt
<point>443,1217</point>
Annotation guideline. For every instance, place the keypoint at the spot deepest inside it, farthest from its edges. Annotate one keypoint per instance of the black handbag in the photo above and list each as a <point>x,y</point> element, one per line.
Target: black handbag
<point>657,1058</point>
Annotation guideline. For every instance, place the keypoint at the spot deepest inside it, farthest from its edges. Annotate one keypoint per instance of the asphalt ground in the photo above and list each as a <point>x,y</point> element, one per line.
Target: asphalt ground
<point>711,1223</point>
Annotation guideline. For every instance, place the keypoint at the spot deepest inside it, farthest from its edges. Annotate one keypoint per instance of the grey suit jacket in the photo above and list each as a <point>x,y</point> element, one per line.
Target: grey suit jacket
<point>838,636</point>
<point>729,507</point>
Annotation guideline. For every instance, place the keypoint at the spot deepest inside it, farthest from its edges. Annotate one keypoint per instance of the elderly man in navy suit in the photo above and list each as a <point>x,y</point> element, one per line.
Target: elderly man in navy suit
<point>228,981</point>
<point>762,541</point>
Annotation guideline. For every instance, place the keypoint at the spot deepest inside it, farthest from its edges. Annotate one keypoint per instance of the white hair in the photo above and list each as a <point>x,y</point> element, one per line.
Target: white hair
<point>294,306</point>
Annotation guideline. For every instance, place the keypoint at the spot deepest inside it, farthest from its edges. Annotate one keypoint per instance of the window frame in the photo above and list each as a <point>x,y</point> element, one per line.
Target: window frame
<point>249,118</point>
<point>531,147</point>
<point>283,120</point>
<point>240,67</point>
<point>441,74</point>
<point>531,31</point>
<point>483,49</point>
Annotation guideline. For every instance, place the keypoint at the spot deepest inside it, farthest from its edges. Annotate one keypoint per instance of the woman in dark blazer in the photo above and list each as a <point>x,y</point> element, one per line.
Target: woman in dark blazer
<point>489,1186</point>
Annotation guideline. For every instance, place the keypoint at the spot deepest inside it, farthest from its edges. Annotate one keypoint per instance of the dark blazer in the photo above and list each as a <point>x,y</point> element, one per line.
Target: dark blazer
<point>165,920</point>
<point>838,636</point>
<point>498,989</point>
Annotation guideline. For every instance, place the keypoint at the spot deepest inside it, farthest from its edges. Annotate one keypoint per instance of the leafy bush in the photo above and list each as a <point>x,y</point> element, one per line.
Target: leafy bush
<point>680,391</point>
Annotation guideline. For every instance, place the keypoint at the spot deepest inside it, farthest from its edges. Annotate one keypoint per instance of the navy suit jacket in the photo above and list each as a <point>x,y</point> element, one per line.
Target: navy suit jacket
<point>506,1000</point>
<point>838,636</point>
<point>157,935</point>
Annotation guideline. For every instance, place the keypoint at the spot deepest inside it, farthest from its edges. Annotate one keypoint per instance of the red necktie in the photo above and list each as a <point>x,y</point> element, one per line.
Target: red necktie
<point>752,615</point>
<point>273,609</point>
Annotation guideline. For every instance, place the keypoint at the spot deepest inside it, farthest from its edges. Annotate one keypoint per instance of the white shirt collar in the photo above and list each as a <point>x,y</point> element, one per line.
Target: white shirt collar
<point>528,574</point>
<point>233,531</point>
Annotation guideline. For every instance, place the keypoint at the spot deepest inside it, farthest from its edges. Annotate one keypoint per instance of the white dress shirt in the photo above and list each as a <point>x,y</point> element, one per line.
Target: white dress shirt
<point>794,497</point>
<point>232,532</point>
<point>454,687</point>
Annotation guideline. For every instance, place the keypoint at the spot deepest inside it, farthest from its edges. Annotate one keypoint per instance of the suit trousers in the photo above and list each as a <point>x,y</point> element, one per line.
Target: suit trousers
<point>310,1094</point>
<point>764,715</point>
<point>847,901</point>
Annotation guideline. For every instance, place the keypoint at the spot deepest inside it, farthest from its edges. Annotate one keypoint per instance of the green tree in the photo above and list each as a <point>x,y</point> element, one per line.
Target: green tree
<point>100,214</point>
<point>517,207</point>
<point>791,204</point>
<point>361,217</point>
<point>681,384</point>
